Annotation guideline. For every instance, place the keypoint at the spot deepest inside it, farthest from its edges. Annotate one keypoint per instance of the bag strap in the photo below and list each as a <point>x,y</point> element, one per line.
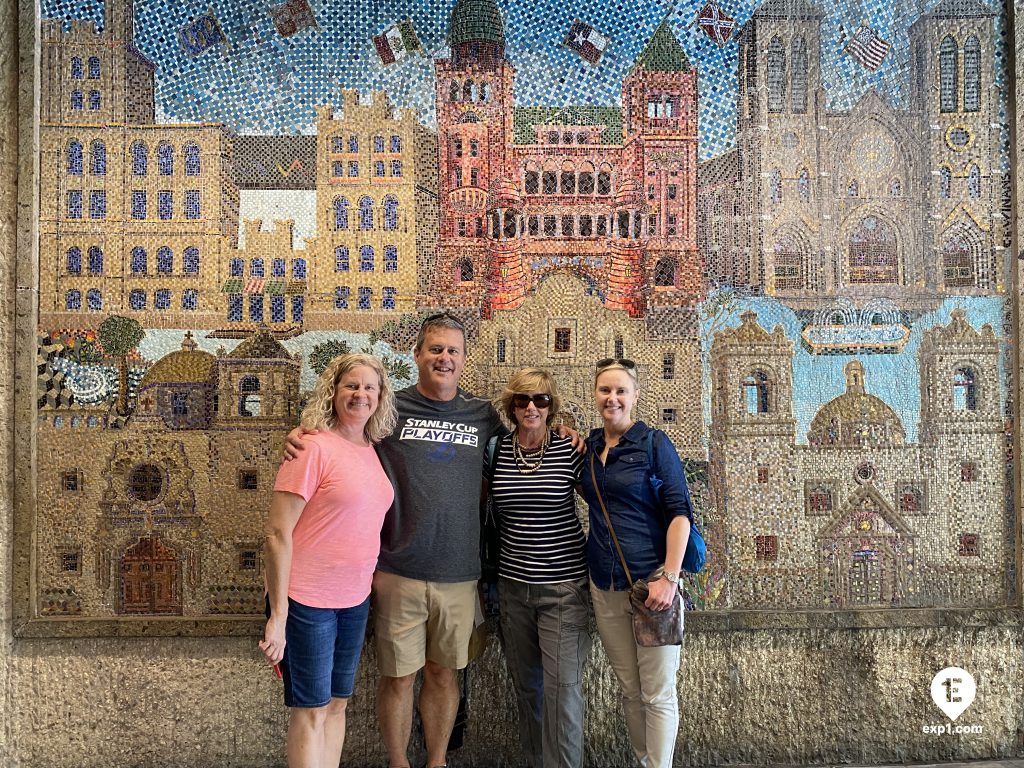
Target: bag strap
<point>491,457</point>
<point>608,520</point>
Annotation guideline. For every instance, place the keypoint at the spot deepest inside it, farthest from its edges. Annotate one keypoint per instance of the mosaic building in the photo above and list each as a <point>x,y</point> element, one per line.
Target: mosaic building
<point>606,193</point>
<point>857,515</point>
<point>565,330</point>
<point>881,200</point>
<point>164,515</point>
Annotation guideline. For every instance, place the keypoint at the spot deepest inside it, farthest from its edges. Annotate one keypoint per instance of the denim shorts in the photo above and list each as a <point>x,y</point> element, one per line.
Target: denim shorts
<point>321,653</point>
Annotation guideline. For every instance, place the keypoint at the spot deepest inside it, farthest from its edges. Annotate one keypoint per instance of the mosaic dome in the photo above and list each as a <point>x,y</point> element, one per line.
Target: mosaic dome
<point>476,21</point>
<point>187,365</point>
<point>856,418</point>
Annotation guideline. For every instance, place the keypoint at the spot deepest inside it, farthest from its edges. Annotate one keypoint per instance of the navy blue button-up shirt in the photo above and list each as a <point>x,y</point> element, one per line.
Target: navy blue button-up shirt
<point>640,519</point>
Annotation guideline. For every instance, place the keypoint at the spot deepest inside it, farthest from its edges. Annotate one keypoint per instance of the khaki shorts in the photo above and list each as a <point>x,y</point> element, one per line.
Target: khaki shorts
<point>416,621</point>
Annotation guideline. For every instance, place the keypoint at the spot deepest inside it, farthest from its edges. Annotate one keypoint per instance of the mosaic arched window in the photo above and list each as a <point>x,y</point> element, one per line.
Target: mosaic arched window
<point>798,78</point>
<point>77,102</point>
<point>453,91</point>
<point>390,258</point>
<point>162,299</point>
<point>972,75</point>
<point>74,260</point>
<point>895,188</point>
<point>341,213</point>
<point>74,158</point>
<point>139,261</point>
<point>803,185</point>
<point>974,181</point>
<point>390,213</point>
<point>190,300</point>
<point>789,264</point>
<point>77,73</point>
<point>341,263</point>
<point>853,188</point>
<point>531,182</point>
<point>396,143</point>
<point>137,299</point>
<point>95,261</point>
<point>366,258</point>
<point>164,260</point>
<point>948,75</point>
<point>190,260</point>
<point>95,100</point>
<point>73,299</point>
<point>299,269</point>
<point>249,396</point>
<point>341,294</point>
<point>872,253</point>
<point>94,68</point>
<point>604,183</point>
<point>165,159</point>
<point>98,158</point>
<point>378,144</point>
<point>756,392</point>
<point>237,268</point>
<point>945,181</point>
<point>665,272</point>
<point>193,163</point>
<point>140,159</point>
<point>776,75</point>
<point>965,389</point>
<point>94,300</point>
<point>277,269</point>
<point>619,346</point>
<point>256,268</point>
<point>775,186</point>
<point>958,261</point>
<point>366,213</point>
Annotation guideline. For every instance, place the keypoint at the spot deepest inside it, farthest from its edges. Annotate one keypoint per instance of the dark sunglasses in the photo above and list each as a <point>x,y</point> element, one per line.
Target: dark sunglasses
<point>442,316</point>
<point>540,400</point>
<point>624,362</point>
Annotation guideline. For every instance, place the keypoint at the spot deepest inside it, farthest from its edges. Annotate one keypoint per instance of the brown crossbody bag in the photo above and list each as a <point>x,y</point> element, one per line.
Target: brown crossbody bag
<point>650,628</point>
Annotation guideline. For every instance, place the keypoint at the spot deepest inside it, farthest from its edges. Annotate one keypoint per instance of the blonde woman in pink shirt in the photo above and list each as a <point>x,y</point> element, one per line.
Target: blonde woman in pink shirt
<point>323,538</point>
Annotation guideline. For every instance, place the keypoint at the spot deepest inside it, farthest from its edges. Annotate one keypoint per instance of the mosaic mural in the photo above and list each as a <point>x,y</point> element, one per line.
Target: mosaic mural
<point>794,217</point>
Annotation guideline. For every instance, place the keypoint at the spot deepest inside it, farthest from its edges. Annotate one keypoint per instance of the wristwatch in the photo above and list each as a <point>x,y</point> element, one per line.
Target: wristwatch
<point>672,576</point>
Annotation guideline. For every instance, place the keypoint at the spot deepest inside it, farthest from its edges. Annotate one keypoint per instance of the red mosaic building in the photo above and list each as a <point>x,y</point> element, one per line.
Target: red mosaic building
<point>606,193</point>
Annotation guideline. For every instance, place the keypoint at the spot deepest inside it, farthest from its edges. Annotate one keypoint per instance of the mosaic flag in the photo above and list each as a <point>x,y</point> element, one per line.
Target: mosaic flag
<point>396,42</point>
<point>586,41</point>
<point>202,33</point>
<point>716,23</point>
<point>867,47</point>
<point>292,16</point>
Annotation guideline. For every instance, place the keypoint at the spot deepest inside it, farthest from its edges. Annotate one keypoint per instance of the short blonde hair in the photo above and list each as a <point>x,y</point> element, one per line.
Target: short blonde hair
<point>530,381</point>
<point>319,411</point>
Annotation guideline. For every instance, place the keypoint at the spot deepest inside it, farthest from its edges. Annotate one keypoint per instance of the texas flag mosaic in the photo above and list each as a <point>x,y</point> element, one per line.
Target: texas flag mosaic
<point>586,41</point>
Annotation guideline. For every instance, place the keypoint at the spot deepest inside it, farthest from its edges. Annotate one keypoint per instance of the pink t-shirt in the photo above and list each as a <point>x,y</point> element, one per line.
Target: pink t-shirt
<point>336,540</point>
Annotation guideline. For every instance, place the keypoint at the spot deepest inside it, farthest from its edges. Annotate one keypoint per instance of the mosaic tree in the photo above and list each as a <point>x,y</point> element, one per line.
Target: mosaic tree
<point>120,336</point>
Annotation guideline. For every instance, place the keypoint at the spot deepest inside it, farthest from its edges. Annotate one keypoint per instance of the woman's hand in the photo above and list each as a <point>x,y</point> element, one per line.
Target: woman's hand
<point>273,640</point>
<point>293,442</point>
<point>660,594</point>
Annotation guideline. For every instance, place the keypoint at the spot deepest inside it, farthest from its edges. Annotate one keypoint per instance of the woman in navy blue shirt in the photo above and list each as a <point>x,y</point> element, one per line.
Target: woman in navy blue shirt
<point>653,535</point>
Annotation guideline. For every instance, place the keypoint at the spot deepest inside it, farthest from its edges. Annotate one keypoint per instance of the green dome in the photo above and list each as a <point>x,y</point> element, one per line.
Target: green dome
<point>476,21</point>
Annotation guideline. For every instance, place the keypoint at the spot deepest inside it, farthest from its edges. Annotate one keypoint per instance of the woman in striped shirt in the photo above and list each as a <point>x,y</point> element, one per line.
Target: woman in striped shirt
<point>542,576</point>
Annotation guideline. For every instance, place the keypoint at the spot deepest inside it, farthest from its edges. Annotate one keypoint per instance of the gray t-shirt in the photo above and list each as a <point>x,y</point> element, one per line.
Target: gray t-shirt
<point>434,459</point>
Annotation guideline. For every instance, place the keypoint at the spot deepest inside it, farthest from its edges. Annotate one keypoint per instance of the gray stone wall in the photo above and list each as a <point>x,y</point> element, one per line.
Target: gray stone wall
<point>756,688</point>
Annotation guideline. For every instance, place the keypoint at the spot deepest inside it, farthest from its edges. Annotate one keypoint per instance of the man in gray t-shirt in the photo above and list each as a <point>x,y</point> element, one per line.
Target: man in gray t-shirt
<point>424,590</point>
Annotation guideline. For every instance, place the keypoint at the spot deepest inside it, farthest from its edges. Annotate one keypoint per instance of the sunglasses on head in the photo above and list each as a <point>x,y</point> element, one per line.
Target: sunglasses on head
<point>540,400</point>
<point>622,361</point>
<point>442,316</point>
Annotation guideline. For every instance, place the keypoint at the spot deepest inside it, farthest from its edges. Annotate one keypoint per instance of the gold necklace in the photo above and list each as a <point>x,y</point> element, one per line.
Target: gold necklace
<point>523,456</point>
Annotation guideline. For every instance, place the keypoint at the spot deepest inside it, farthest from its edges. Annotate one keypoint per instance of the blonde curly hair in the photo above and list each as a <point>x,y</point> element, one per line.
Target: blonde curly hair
<point>319,411</point>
